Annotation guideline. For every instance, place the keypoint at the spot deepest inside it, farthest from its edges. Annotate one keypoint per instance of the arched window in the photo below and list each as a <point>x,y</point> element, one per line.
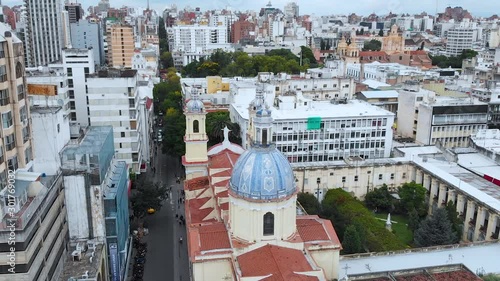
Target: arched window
<point>19,70</point>
<point>264,137</point>
<point>196,126</point>
<point>269,224</point>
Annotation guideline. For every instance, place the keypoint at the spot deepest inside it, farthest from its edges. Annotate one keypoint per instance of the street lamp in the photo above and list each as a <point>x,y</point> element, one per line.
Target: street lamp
<point>318,181</point>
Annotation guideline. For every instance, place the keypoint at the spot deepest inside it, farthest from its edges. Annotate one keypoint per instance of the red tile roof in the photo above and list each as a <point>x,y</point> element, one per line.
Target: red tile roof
<point>372,53</point>
<point>311,230</point>
<point>317,230</point>
<point>214,237</point>
<point>196,215</point>
<point>279,263</point>
<point>197,183</point>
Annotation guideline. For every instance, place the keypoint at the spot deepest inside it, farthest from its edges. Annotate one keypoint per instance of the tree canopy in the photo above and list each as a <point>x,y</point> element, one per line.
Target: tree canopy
<point>452,61</point>
<point>380,199</point>
<point>435,230</point>
<point>215,123</point>
<point>372,45</point>
<point>230,64</point>
<point>310,203</point>
<point>147,195</point>
<point>344,210</point>
<point>413,197</point>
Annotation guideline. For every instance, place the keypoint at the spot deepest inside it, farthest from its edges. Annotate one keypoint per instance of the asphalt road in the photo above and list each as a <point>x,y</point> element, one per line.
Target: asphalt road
<point>166,258</point>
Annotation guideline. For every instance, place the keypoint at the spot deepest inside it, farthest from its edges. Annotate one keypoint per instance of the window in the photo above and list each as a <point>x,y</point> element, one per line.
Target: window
<point>269,224</point>
<point>420,98</point>
<point>12,163</point>
<point>392,176</point>
<point>19,70</point>
<point>10,142</point>
<point>331,174</point>
<point>404,176</point>
<point>264,137</point>
<point>356,178</point>
<point>20,92</point>
<point>4,97</point>
<point>70,72</point>
<point>7,120</point>
<point>380,176</point>
<point>196,126</point>
<point>343,179</point>
<point>122,134</point>
<point>71,94</point>
<point>28,155</point>
<point>86,70</point>
<point>26,134</point>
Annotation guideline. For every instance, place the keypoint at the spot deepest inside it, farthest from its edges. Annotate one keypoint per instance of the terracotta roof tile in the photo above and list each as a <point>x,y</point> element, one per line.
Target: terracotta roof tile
<point>196,215</point>
<point>197,183</point>
<point>214,236</point>
<point>282,264</point>
<point>311,230</point>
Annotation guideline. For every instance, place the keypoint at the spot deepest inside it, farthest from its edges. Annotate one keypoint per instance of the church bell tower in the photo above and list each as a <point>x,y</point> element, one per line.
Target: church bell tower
<point>196,159</point>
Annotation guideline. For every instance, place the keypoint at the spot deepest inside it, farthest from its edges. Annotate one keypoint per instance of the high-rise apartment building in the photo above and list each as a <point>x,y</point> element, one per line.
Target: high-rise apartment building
<point>113,100</point>
<point>38,219</point>
<point>459,39</point>
<point>44,36</point>
<point>86,34</point>
<point>121,46</point>
<point>75,11</point>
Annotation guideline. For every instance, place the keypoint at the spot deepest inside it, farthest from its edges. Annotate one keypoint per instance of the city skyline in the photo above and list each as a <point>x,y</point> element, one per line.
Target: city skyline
<point>316,7</point>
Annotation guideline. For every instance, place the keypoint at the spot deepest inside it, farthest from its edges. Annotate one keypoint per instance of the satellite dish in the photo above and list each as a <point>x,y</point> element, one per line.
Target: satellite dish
<point>60,102</point>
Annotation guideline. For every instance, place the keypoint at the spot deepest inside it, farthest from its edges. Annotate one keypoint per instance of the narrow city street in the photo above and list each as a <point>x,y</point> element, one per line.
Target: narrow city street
<point>167,257</point>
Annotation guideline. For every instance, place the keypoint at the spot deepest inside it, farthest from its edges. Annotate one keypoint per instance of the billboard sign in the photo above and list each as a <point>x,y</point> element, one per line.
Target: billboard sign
<point>114,262</point>
<point>42,90</point>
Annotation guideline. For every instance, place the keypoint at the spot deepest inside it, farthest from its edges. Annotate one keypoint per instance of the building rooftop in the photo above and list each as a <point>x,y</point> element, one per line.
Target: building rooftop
<point>87,265</point>
<point>374,84</point>
<point>323,109</point>
<point>45,109</point>
<point>477,257</point>
<point>92,142</point>
<point>390,94</point>
<point>488,139</point>
<point>278,263</point>
<point>114,73</point>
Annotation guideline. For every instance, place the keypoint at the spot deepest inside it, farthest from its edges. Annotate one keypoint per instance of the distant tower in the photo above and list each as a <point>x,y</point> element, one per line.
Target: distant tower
<point>196,159</point>
<point>256,104</point>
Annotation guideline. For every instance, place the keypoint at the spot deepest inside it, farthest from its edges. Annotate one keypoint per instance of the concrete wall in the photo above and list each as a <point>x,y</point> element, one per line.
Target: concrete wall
<point>212,270</point>
<point>50,135</point>
<point>246,219</point>
<point>328,261</point>
<point>424,125</point>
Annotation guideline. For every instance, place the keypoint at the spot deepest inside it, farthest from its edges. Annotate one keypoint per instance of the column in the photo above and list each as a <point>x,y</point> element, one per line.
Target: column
<point>452,196</point>
<point>418,178</point>
<point>432,194</point>
<point>469,214</point>
<point>460,203</point>
<point>443,189</point>
<point>492,224</point>
<point>481,215</point>
<point>427,182</point>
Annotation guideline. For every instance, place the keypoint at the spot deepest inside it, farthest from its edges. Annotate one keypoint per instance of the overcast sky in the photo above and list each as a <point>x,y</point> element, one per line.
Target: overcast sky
<point>317,7</point>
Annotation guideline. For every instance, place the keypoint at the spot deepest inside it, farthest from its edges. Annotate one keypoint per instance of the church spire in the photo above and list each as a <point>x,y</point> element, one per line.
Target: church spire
<point>262,121</point>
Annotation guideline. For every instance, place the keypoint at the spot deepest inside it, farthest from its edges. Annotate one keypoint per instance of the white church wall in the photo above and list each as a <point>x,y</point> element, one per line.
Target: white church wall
<point>328,261</point>
<point>212,270</point>
<point>246,219</point>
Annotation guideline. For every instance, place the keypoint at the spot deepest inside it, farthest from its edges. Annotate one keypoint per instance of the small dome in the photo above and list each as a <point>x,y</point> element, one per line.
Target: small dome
<point>195,105</point>
<point>262,174</point>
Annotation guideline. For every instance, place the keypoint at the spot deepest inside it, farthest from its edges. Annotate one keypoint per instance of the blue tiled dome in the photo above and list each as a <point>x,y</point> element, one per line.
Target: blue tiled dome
<point>195,105</point>
<point>262,174</point>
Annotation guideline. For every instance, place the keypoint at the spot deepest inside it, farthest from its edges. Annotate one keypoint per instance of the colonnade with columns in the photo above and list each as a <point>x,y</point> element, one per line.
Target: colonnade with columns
<point>481,222</point>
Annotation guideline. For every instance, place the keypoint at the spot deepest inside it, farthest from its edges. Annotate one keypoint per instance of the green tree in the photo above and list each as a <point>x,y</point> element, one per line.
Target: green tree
<point>173,139</point>
<point>215,123</point>
<point>309,202</point>
<point>372,45</point>
<point>456,222</point>
<point>435,230</point>
<point>308,54</point>
<point>166,60</point>
<point>381,33</point>
<point>208,68</point>
<point>352,241</point>
<point>413,197</point>
<point>491,277</point>
<point>413,220</point>
<point>380,199</point>
<point>147,195</point>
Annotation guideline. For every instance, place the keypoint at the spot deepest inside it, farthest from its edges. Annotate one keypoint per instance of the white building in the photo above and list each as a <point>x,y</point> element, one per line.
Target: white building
<point>429,119</point>
<point>382,72</point>
<point>459,39</point>
<point>291,10</point>
<point>50,126</point>
<point>113,100</point>
<point>52,79</point>
<point>316,131</point>
<point>85,35</point>
<point>197,38</point>
<point>146,113</point>
<point>44,37</point>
